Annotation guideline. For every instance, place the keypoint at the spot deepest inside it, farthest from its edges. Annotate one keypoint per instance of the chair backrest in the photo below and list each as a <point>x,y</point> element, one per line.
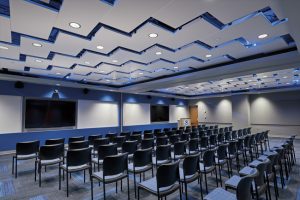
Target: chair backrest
<point>147,143</point>
<point>137,132</point>
<point>107,150</point>
<point>227,136</point>
<point>179,148</point>
<point>115,164</point>
<point>209,158</point>
<point>129,147</point>
<point>161,140</point>
<point>167,175</point>
<point>91,138</point>
<point>148,135</point>
<point>111,136</point>
<point>191,164</point>
<point>232,148</point>
<point>194,144</point>
<point>240,133</point>
<point>243,191</point>
<point>79,145</point>
<point>76,157</point>
<point>119,140</point>
<point>222,152</point>
<point>163,152</point>
<point>142,157</point>
<point>212,139</point>
<point>126,134</point>
<point>233,135</point>
<point>136,137</point>
<point>261,168</point>
<point>179,132</point>
<point>148,131</point>
<point>76,139</point>
<point>55,141</point>
<point>157,130</point>
<point>166,129</point>
<point>220,137</point>
<point>26,148</point>
<point>194,134</point>
<point>204,142</point>
<point>159,134</point>
<point>50,152</point>
<point>100,141</point>
<point>185,136</point>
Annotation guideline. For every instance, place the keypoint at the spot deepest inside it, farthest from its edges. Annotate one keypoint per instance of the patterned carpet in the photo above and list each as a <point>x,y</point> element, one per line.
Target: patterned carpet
<point>24,187</point>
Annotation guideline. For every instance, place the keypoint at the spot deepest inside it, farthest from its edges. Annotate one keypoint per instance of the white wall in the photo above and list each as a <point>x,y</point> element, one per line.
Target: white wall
<point>93,114</point>
<point>136,114</point>
<point>240,111</point>
<point>10,114</point>
<point>177,112</point>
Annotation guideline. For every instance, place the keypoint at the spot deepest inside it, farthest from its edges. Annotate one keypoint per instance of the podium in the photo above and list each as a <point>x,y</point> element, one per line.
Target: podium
<point>184,122</point>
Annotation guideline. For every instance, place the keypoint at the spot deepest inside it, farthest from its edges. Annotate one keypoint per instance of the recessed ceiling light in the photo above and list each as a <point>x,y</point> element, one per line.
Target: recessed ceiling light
<point>39,61</point>
<point>100,47</point>
<point>101,71</point>
<point>74,25</point>
<point>158,53</point>
<point>284,77</point>
<point>175,67</point>
<point>84,79</point>
<point>186,87</point>
<point>3,47</point>
<point>208,56</point>
<point>230,80</point>
<point>37,44</point>
<point>262,36</point>
<point>153,35</point>
<point>86,62</point>
<point>107,80</point>
<point>141,73</point>
<point>57,84</point>
<point>265,76</point>
<point>57,73</point>
<point>287,83</point>
<point>114,61</point>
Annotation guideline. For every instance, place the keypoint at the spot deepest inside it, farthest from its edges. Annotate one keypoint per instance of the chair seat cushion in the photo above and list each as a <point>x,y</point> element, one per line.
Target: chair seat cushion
<point>188,178</point>
<point>221,162</point>
<point>247,171</point>
<point>110,178</point>
<point>207,169</point>
<point>160,162</point>
<point>25,157</point>
<point>151,186</point>
<point>95,160</point>
<point>254,163</point>
<point>51,162</point>
<point>139,169</point>
<point>75,168</point>
<point>233,182</point>
<point>220,193</point>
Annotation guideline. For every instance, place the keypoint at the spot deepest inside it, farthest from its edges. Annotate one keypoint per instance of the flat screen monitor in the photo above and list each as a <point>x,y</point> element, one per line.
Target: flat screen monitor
<point>40,113</point>
<point>159,113</point>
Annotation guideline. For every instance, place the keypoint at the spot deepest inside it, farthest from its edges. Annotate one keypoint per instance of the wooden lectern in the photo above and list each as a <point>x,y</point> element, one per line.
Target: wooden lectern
<point>183,122</point>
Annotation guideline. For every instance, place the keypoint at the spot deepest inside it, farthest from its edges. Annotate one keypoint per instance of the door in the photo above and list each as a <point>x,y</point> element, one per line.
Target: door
<point>194,115</point>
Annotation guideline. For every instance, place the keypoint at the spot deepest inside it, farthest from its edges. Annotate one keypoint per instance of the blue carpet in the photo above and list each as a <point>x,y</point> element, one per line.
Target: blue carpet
<point>7,188</point>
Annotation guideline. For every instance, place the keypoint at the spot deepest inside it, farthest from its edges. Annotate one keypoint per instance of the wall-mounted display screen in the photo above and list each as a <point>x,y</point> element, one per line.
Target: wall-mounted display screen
<point>49,113</point>
<point>159,113</point>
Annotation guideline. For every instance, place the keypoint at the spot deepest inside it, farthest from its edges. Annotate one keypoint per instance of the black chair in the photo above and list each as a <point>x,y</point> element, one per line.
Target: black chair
<point>173,139</point>
<point>166,129</point>
<point>111,136</point>
<point>48,155</point>
<point>76,139</point>
<point>115,168</point>
<point>104,151</point>
<point>119,140</point>
<point>208,165</point>
<point>203,144</point>
<point>130,147</point>
<point>136,137</point>
<point>148,135</point>
<point>190,172</point>
<point>137,132</point>
<point>213,142</point>
<point>193,145</point>
<point>185,137</point>
<point>157,131</point>
<point>179,150</point>
<point>24,151</point>
<point>166,182</point>
<point>142,162</point>
<point>161,140</point>
<point>98,142</point>
<point>147,143</point>
<point>126,134</point>
<point>79,145</point>
<point>148,131</point>
<point>55,141</point>
<point>222,159</point>
<point>162,155</point>
<point>77,160</point>
<point>91,139</point>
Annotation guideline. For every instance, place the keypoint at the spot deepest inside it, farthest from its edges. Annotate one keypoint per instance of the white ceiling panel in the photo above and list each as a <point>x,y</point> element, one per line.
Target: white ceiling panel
<point>5,30</point>
<point>13,65</point>
<point>27,48</point>
<point>12,51</point>
<point>37,62</point>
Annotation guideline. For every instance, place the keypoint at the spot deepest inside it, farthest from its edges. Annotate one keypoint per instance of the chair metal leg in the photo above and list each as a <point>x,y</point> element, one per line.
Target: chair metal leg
<point>180,193</point>
<point>134,183</point>
<point>40,174</point>
<point>13,165</point>
<point>205,183</point>
<point>138,193</point>
<point>201,191</point>
<point>92,193</point>
<point>217,176</point>
<point>185,187</point>
<point>84,176</point>
<point>35,171</point>
<point>220,174</point>
<point>67,184</point>
<point>128,186</point>
<point>16,168</point>
<point>104,195</point>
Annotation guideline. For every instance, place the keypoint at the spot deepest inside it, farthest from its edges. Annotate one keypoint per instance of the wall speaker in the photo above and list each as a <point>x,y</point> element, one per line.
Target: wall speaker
<point>149,97</point>
<point>19,84</point>
<point>85,91</point>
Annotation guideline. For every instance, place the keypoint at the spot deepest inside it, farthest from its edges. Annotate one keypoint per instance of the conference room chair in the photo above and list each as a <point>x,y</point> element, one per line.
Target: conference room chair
<point>77,160</point>
<point>233,154</point>
<point>166,182</point>
<point>213,142</point>
<point>190,172</point>
<point>243,191</point>
<point>173,139</point>
<point>185,136</point>
<point>227,136</point>
<point>166,129</point>
<point>78,145</point>
<point>148,135</point>
<point>24,151</point>
<point>240,133</point>
<point>104,151</point>
<point>161,140</point>
<point>202,134</point>
<point>234,136</point>
<point>266,140</point>
<point>279,165</point>
<point>91,139</point>
<point>119,140</point>
<point>159,134</point>
<point>162,155</point>
<point>48,155</point>
<point>136,137</point>
<point>174,129</point>
<point>247,148</point>
<point>115,168</point>
<point>76,139</point>
<point>142,162</point>
<point>194,134</point>
<point>181,128</point>
<point>148,131</point>
<point>147,143</point>
<point>169,133</point>
<point>55,141</point>
<point>220,139</point>
<point>193,146</point>
<point>111,136</point>
<point>208,165</point>
<point>203,144</point>
<point>130,147</point>
<point>98,142</point>
<point>222,159</point>
<point>179,151</point>
<point>137,132</point>
<point>126,134</point>
<point>179,132</point>
<point>157,130</point>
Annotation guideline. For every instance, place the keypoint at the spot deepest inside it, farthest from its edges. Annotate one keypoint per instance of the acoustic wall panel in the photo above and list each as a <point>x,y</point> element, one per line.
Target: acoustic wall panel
<point>10,114</point>
<point>92,114</point>
<point>177,112</point>
<point>136,114</point>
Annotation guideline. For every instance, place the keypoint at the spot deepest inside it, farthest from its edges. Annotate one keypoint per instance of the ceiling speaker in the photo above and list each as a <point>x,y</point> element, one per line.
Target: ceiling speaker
<point>19,84</point>
<point>85,91</point>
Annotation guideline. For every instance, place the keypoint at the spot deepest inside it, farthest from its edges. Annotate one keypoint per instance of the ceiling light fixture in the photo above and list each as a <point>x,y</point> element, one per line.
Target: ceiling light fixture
<point>141,73</point>
<point>284,77</point>
<point>39,61</point>
<point>86,62</point>
<point>262,36</point>
<point>100,47</point>
<point>158,53</point>
<point>57,73</point>
<point>114,61</point>
<point>36,44</point>
<point>101,71</point>
<point>74,25</point>
<point>265,76</point>
<point>175,67</point>
<point>153,35</point>
<point>57,84</point>
<point>3,47</point>
<point>208,56</point>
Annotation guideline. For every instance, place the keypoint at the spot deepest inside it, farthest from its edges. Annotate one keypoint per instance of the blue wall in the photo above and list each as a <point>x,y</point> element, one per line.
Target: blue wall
<point>8,141</point>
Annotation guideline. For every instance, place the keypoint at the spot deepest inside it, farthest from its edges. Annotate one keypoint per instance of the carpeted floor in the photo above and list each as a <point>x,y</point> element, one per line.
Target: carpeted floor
<point>24,187</point>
